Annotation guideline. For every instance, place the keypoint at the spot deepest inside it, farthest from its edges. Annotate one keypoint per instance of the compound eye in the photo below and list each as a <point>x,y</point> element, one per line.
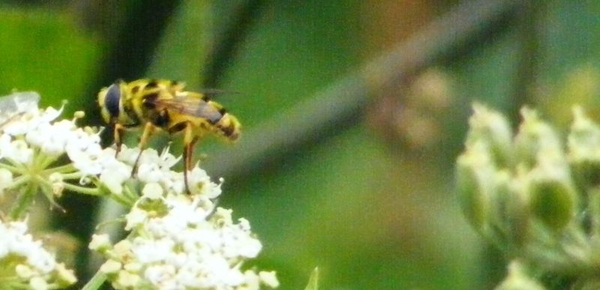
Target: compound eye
<point>112,99</point>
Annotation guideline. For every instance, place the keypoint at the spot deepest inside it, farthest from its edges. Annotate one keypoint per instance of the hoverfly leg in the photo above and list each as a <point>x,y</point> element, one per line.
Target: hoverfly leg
<point>189,140</point>
<point>148,130</point>
<point>185,180</point>
<point>118,137</point>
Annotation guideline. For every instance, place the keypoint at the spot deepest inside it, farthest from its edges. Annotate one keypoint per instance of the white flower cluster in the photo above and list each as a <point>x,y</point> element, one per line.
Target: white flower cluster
<point>31,142</point>
<point>177,242</point>
<point>25,264</point>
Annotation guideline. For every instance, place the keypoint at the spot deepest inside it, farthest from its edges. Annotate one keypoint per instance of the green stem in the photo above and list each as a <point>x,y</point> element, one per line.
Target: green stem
<point>9,167</point>
<point>96,282</point>
<point>63,168</point>
<point>81,189</point>
<point>20,180</point>
<point>71,176</point>
<point>24,201</point>
<point>44,160</point>
<point>594,210</point>
<point>129,195</point>
<point>123,201</point>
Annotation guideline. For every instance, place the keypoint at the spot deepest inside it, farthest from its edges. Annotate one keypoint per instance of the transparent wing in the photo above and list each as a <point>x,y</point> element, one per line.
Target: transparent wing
<point>214,92</point>
<point>17,103</point>
<point>193,106</point>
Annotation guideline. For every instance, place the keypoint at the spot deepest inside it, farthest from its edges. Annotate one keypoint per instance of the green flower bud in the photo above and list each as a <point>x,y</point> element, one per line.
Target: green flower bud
<point>515,209</point>
<point>518,279</point>
<point>492,128</point>
<point>534,136</point>
<point>475,180</point>
<point>553,196</point>
<point>584,148</point>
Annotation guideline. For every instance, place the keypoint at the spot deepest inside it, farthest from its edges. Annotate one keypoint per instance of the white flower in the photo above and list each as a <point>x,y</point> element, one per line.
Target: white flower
<point>176,243</point>
<point>84,150</point>
<point>157,168</point>
<point>100,242</point>
<point>111,267</point>
<point>113,175</point>
<point>152,191</point>
<point>30,121</point>
<point>178,239</point>
<point>6,178</point>
<point>32,143</point>
<point>269,278</point>
<point>19,152</point>
<point>21,256</point>
<point>199,183</point>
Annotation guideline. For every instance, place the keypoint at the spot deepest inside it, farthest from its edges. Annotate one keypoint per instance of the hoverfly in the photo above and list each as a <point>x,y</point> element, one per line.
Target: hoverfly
<point>163,104</point>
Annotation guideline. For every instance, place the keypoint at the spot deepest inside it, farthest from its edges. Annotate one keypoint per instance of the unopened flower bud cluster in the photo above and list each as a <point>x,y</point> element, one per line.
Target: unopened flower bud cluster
<point>535,192</point>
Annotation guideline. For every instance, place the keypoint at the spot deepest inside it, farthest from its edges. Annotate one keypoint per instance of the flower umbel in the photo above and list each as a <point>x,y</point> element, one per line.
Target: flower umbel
<point>25,264</point>
<point>176,240</point>
<point>31,145</point>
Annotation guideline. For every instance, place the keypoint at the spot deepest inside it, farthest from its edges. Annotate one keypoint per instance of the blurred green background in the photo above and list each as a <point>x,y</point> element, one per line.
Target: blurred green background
<point>361,187</point>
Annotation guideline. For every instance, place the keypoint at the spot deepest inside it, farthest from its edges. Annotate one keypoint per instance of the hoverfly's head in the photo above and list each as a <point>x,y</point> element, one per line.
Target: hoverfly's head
<point>109,100</point>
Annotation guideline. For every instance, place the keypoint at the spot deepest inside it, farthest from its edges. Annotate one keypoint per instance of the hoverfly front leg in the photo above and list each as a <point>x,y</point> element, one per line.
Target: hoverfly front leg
<point>148,131</point>
<point>189,140</point>
<point>118,137</point>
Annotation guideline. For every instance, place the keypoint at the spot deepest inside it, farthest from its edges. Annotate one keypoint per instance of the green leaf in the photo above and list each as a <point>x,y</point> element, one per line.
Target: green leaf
<point>313,281</point>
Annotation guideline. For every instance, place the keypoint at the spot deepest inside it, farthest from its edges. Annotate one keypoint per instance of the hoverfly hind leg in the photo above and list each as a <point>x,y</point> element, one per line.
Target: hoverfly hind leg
<point>148,130</point>
<point>189,140</point>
